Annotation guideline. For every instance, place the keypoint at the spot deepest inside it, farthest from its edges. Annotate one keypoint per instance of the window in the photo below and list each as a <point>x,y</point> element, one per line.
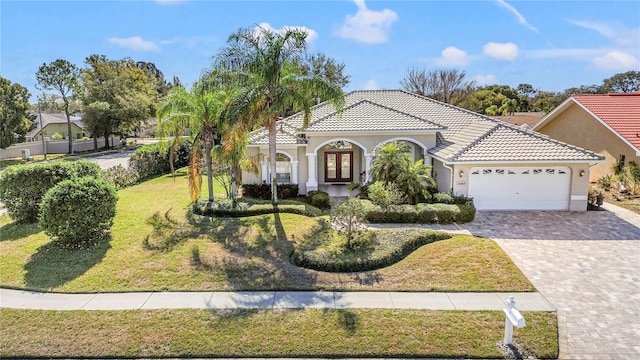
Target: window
<point>283,169</point>
<point>622,160</point>
<point>338,166</point>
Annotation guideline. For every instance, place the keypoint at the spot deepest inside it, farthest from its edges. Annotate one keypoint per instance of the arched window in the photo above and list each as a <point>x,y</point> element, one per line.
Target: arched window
<point>283,168</point>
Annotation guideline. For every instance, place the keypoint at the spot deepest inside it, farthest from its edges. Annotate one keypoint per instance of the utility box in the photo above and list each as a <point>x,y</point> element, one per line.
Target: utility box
<point>26,154</point>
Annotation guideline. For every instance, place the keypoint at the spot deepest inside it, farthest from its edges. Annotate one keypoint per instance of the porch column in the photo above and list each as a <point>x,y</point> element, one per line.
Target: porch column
<point>368,161</point>
<point>265,170</point>
<point>294,172</point>
<point>312,180</point>
<point>427,158</point>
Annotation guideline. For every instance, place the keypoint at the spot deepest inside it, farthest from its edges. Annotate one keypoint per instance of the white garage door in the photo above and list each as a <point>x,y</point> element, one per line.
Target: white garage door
<point>520,188</point>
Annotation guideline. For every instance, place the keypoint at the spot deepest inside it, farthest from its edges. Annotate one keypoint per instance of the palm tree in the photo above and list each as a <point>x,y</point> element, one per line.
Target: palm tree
<point>415,180</point>
<point>266,68</point>
<point>391,159</point>
<point>198,110</point>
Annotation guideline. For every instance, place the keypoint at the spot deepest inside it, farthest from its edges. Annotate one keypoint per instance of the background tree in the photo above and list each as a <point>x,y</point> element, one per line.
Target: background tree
<point>267,67</point>
<point>63,77</point>
<point>624,82</point>
<point>130,92</point>
<point>15,120</point>
<point>445,85</point>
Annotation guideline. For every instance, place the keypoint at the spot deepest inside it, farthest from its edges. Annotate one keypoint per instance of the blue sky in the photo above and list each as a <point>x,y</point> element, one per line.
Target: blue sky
<point>551,45</point>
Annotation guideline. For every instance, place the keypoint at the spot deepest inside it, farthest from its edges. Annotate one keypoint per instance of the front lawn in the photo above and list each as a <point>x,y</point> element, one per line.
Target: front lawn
<point>158,245</point>
<point>306,333</point>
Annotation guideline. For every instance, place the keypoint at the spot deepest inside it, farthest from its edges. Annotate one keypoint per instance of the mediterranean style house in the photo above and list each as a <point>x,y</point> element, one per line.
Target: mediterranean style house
<point>605,123</point>
<point>500,165</point>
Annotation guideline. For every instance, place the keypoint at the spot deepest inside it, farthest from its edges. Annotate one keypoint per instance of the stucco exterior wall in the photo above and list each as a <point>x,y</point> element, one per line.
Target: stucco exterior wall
<point>62,129</point>
<point>577,127</point>
<point>442,176</point>
<point>579,184</point>
<point>53,147</point>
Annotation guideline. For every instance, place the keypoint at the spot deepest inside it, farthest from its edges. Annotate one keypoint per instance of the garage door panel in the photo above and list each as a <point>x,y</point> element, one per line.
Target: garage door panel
<point>520,188</point>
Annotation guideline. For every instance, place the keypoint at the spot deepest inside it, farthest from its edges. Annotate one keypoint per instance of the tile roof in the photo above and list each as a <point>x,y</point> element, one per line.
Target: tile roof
<point>621,112</point>
<point>463,136</point>
<point>365,115</point>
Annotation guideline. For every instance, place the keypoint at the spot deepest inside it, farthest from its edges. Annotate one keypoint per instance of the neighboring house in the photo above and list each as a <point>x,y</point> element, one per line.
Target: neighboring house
<point>500,165</point>
<point>56,123</point>
<point>608,124</point>
<point>525,120</point>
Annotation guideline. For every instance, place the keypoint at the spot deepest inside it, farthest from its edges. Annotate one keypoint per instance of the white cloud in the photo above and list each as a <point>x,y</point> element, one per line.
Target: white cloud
<point>371,85</point>
<point>519,16</point>
<point>620,37</point>
<point>616,60</point>
<point>452,56</point>
<point>576,54</point>
<point>135,43</point>
<point>312,35</point>
<point>485,79</point>
<point>501,51</point>
<point>367,26</point>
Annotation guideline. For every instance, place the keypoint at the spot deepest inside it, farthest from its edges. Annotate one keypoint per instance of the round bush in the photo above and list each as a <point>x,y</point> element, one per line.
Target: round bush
<point>78,211</point>
<point>319,199</point>
<point>23,186</point>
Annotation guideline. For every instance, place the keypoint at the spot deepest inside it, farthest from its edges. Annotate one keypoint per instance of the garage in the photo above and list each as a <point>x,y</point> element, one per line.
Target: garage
<point>520,188</point>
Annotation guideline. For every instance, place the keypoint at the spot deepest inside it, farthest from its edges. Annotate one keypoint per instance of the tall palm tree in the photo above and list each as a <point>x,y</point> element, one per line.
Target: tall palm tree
<point>198,110</point>
<point>266,68</point>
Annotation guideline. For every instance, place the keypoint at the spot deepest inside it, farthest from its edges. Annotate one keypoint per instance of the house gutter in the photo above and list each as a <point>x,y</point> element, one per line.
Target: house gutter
<point>452,174</point>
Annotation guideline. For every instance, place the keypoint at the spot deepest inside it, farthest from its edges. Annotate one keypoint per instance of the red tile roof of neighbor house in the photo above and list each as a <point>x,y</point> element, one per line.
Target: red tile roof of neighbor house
<point>621,111</point>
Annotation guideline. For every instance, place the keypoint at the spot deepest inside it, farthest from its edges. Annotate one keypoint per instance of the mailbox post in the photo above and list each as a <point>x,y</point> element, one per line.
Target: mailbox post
<point>513,318</point>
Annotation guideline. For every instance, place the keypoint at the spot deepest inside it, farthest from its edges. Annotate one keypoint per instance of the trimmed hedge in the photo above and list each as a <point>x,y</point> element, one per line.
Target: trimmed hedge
<point>23,186</point>
<point>423,214</point>
<point>153,160</point>
<point>390,247</point>
<point>78,211</point>
<point>244,209</point>
<point>263,191</point>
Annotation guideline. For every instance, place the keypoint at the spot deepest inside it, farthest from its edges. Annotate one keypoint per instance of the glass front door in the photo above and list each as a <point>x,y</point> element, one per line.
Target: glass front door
<point>338,166</point>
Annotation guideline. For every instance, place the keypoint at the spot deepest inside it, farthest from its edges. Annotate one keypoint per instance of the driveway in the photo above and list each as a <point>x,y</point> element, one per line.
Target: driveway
<point>587,264</point>
<point>110,160</point>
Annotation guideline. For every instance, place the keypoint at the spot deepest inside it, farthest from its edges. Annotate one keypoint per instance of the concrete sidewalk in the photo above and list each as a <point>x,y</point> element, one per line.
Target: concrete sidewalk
<point>20,299</point>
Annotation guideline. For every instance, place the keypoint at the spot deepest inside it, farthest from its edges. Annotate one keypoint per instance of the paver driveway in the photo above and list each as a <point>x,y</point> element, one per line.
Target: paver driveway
<point>587,265</point>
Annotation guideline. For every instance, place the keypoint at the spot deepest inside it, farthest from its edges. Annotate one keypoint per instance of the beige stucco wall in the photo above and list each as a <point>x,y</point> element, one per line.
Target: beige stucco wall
<point>442,176</point>
<point>579,184</point>
<point>577,127</point>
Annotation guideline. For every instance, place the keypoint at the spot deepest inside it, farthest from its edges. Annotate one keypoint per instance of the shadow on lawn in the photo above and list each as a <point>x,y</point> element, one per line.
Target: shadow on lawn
<point>15,231</point>
<point>53,266</point>
<point>257,253</point>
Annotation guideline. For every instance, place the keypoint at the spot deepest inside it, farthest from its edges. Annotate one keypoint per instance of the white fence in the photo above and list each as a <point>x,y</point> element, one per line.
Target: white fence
<point>54,147</point>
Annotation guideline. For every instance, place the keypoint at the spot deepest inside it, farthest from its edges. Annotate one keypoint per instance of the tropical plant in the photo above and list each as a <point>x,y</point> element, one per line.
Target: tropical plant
<point>265,65</point>
<point>198,110</point>
<point>630,178</point>
<point>393,164</point>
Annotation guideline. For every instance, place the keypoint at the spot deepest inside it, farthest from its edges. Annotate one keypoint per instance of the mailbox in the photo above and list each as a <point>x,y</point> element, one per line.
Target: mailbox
<point>513,318</point>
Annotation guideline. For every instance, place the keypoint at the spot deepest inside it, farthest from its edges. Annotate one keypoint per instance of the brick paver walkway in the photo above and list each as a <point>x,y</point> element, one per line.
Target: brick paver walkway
<point>587,264</point>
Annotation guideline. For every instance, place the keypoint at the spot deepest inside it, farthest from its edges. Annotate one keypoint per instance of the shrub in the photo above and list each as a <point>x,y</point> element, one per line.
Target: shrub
<point>319,199</point>
<point>386,248</point>
<point>263,191</point>
<point>385,194</point>
<point>153,160</point>
<point>423,213</point>
<point>57,136</point>
<point>23,186</point>
<point>244,208</point>
<point>78,211</point>
<point>119,176</point>
<point>443,198</point>
<point>606,182</point>
<point>462,200</point>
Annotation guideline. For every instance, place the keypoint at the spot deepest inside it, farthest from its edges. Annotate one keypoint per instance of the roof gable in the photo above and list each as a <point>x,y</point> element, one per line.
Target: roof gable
<point>620,113</point>
<point>365,115</point>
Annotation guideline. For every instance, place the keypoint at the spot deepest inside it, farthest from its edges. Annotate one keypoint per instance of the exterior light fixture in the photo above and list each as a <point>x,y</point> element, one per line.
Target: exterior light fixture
<point>581,173</point>
<point>461,173</point>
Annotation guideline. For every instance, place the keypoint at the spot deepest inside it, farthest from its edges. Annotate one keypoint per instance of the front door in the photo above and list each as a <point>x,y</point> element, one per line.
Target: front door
<point>338,166</point>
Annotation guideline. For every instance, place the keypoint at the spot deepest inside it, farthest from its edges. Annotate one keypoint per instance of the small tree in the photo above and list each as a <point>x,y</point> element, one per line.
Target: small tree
<point>348,219</point>
<point>78,211</point>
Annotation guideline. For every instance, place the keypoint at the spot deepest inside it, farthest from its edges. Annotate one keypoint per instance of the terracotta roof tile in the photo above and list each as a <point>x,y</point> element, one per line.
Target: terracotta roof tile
<point>620,111</point>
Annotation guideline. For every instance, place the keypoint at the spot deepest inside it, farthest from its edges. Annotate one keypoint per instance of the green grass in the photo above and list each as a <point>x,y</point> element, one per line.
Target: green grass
<point>269,333</point>
<point>154,238</point>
